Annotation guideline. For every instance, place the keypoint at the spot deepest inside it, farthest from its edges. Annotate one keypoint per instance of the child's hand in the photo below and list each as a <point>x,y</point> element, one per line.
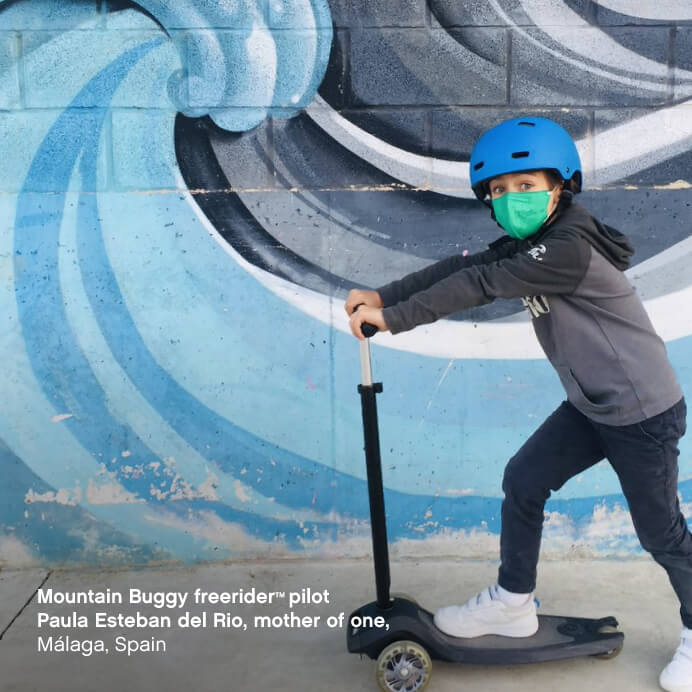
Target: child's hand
<point>366,314</point>
<point>358,297</point>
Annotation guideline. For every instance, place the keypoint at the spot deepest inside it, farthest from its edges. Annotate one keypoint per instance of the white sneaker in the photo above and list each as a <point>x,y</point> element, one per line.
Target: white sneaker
<point>486,613</point>
<point>677,675</point>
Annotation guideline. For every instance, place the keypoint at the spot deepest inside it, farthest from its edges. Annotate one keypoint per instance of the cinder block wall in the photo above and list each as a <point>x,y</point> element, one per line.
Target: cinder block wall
<point>187,192</point>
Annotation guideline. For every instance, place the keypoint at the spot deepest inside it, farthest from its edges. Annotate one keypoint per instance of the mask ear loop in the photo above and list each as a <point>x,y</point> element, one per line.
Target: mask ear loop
<point>563,201</point>
<point>488,203</point>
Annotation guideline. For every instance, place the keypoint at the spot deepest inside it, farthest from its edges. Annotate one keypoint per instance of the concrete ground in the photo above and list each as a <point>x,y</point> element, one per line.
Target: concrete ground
<point>315,659</point>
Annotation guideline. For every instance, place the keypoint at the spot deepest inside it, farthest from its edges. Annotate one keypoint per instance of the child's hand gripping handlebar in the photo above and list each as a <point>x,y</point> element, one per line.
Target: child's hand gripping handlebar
<point>367,329</point>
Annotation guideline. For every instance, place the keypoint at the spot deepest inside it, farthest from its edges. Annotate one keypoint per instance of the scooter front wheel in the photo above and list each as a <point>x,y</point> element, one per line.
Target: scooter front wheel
<point>607,655</point>
<point>403,666</point>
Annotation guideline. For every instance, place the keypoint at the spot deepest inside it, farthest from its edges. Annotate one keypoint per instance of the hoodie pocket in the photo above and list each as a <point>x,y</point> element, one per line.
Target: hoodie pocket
<point>576,394</point>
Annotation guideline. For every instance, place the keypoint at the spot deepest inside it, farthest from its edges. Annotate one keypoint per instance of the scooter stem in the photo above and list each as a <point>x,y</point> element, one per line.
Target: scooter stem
<point>365,366</point>
<point>368,391</point>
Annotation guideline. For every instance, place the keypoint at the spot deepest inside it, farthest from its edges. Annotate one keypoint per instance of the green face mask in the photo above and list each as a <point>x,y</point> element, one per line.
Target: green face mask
<point>521,214</point>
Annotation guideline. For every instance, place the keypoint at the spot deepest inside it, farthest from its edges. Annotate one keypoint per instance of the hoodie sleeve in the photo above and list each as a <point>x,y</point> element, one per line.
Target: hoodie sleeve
<point>402,289</point>
<point>555,265</point>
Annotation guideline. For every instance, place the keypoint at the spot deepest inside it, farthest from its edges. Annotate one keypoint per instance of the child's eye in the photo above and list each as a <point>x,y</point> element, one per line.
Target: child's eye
<point>497,190</point>
<point>525,186</point>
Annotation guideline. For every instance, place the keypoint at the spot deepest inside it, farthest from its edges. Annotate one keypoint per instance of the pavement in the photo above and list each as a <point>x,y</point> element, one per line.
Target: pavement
<point>308,655</point>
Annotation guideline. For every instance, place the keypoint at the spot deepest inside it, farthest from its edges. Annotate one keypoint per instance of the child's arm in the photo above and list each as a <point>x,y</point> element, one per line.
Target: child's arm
<point>402,289</point>
<point>556,265</point>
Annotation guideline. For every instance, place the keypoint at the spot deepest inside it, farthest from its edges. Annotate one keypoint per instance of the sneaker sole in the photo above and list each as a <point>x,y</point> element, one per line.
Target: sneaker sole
<point>676,688</point>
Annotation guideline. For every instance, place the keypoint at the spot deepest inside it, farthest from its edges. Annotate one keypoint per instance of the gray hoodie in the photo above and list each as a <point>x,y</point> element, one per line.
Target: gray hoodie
<point>586,315</point>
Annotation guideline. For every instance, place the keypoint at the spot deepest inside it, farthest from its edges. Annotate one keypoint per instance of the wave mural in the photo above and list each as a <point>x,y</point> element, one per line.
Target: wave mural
<point>190,190</point>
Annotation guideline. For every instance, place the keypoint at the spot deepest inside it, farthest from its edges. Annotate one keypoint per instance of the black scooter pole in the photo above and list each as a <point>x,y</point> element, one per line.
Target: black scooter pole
<point>368,391</point>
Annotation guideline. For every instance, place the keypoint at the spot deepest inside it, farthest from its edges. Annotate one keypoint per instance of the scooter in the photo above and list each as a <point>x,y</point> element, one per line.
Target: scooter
<point>401,635</point>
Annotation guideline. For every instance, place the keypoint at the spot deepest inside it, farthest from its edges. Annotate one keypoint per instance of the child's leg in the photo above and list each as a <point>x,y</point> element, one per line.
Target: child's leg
<point>645,457</point>
<point>565,445</point>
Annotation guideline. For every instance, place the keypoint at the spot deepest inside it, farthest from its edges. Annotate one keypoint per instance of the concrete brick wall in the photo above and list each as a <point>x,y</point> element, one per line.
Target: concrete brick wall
<point>188,191</point>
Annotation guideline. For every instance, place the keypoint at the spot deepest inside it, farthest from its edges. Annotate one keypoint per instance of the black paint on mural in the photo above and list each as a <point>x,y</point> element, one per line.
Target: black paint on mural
<point>426,82</point>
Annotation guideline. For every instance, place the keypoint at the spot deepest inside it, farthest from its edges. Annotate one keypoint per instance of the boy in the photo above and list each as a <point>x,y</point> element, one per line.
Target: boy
<point>623,399</point>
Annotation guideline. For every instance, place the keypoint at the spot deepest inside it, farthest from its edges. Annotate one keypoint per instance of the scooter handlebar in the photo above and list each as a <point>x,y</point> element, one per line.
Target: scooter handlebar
<point>367,329</point>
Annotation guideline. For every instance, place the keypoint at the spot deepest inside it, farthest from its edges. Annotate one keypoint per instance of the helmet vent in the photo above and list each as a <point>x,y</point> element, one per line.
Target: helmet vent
<point>527,123</point>
<point>478,166</point>
<point>520,154</point>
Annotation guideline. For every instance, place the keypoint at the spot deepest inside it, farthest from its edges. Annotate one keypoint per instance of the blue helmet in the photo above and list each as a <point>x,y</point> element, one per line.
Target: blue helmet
<point>524,144</point>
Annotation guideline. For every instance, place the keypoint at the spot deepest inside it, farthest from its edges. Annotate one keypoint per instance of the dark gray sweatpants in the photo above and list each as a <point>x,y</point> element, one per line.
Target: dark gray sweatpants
<point>645,458</point>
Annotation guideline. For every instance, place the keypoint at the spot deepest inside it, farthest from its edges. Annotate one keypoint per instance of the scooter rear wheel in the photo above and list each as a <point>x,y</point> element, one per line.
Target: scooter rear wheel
<point>403,666</point>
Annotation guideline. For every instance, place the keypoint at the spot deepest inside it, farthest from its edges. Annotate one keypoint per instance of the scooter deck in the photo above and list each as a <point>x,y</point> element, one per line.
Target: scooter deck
<point>557,637</point>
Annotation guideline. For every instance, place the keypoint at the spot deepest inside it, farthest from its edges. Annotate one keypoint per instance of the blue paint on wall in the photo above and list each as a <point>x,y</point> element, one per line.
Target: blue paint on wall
<point>48,528</point>
<point>133,329</point>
